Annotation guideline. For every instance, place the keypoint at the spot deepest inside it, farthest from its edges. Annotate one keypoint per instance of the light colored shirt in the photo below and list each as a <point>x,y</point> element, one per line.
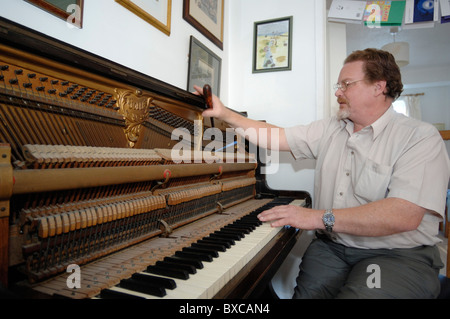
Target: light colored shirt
<point>396,156</point>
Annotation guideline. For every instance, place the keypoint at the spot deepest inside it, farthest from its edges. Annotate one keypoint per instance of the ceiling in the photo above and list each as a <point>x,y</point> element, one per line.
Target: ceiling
<point>429,47</point>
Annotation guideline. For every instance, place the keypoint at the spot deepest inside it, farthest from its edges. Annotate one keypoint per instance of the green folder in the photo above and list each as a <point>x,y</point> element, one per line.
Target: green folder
<point>384,13</point>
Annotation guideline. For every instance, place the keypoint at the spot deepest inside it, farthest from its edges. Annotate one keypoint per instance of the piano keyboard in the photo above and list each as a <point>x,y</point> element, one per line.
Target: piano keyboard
<point>206,266</point>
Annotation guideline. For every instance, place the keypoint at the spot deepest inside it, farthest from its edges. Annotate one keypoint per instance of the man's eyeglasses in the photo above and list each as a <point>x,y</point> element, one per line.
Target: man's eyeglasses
<point>343,86</point>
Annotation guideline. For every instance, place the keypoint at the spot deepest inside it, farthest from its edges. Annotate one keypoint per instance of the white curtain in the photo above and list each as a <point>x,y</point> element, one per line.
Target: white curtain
<point>412,103</point>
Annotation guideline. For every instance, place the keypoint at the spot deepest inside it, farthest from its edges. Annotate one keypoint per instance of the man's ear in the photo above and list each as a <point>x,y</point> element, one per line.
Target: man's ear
<point>380,88</point>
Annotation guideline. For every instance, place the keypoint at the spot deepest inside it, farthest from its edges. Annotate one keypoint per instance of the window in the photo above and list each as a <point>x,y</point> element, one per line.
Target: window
<point>409,105</point>
<point>400,107</point>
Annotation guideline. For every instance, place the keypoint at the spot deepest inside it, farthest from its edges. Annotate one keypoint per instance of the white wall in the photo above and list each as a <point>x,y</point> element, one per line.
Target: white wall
<point>283,98</point>
<point>337,53</point>
<point>434,82</point>
<point>434,104</point>
<point>115,33</point>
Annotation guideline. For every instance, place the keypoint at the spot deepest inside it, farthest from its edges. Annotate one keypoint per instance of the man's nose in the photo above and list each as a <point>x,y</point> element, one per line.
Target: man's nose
<point>338,93</point>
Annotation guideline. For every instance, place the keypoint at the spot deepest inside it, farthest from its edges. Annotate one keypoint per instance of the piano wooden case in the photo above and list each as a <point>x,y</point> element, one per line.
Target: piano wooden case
<point>87,179</point>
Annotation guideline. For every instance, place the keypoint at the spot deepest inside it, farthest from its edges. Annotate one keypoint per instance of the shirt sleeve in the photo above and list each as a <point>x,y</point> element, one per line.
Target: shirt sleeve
<point>421,174</point>
<point>304,140</point>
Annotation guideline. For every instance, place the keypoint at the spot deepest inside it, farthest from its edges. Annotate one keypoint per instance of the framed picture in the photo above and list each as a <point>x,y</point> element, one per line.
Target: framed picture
<point>272,47</point>
<point>207,17</point>
<point>156,12</point>
<point>204,67</point>
<point>68,10</point>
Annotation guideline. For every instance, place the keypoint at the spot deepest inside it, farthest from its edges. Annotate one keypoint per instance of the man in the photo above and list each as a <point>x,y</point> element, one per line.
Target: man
<point>380,189</point>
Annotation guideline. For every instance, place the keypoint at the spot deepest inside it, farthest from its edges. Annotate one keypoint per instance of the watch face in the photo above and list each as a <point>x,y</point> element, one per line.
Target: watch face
<point>328,219</point>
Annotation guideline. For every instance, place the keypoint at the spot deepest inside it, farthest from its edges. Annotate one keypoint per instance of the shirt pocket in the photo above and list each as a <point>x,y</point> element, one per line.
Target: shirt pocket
<point>373,182</point>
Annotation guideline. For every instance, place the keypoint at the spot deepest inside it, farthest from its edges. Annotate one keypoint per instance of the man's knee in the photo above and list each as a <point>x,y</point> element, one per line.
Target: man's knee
<point>322,273</point>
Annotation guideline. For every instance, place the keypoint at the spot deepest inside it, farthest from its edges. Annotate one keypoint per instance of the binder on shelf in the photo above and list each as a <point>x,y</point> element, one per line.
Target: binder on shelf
<point>420,13</point>
<point>384,13</point>
<point>445,11</point>
<point>346,11</point>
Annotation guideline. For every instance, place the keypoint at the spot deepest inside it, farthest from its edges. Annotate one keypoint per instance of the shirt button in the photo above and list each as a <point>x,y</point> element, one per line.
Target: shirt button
<point>348,174</point>
<point>341,194</point>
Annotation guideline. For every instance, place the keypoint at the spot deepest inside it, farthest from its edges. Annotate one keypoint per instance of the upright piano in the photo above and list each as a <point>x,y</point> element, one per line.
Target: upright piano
<point>93,203</point>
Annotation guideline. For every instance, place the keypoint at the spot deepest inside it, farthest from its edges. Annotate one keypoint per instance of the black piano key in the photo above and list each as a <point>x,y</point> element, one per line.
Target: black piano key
<point>209,252</point>
<point>157,281</point>
<point>244,228</point>
<point>194,255</point>
<point>254,221</point>
<point>188,261</point>
<point>140,286</point>
<point>215,241</point>
<point>244,224</point>
<point>113,294</point>
<point>249,219</point>
<point>239,233</point>
<point>179,274</point>
<point>221,238</point>
<point>190,269</point>
<point>215,247</point>
<point>226,235</point>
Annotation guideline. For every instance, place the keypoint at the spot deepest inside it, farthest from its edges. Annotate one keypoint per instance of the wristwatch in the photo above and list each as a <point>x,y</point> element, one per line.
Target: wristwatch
<point>328,220</point>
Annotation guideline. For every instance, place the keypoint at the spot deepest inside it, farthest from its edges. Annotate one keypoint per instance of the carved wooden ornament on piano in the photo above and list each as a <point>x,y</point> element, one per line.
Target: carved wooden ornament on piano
<point>88,183</point>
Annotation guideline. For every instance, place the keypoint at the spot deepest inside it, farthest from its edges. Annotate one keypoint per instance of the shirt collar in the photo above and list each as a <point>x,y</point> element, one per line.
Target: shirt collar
<point>377,127</point>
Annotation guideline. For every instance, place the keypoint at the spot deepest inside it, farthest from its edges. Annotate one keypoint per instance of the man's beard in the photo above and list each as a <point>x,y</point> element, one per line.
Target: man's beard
<point>343,113</point>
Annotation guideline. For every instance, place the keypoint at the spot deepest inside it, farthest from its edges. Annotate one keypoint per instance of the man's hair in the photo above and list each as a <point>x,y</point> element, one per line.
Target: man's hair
<point>380,65</point>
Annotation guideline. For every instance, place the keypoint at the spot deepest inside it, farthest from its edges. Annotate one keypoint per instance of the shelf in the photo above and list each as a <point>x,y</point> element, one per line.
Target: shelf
<point>445,135</point>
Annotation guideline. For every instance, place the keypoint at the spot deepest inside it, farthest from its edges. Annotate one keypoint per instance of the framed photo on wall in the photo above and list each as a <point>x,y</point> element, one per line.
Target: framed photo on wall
<point>272,47</point>
<point>205,67</point>
<point>68,10</point>
<point>156,12</point>
<point>207,17</point>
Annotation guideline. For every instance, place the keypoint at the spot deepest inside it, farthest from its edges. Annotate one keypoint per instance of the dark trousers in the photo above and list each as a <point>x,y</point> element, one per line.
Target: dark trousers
<point>331,270</point>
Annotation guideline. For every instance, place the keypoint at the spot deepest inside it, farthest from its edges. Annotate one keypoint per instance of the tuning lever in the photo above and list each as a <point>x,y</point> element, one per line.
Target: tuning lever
<point>207,95</point>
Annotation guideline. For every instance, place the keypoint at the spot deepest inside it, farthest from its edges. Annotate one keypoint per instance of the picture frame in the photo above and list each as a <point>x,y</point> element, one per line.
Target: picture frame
<point>205,67</point>
<point>272,45</point>
<point>156,12</point>
<point>69,10</point>
<point>207,16</point>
